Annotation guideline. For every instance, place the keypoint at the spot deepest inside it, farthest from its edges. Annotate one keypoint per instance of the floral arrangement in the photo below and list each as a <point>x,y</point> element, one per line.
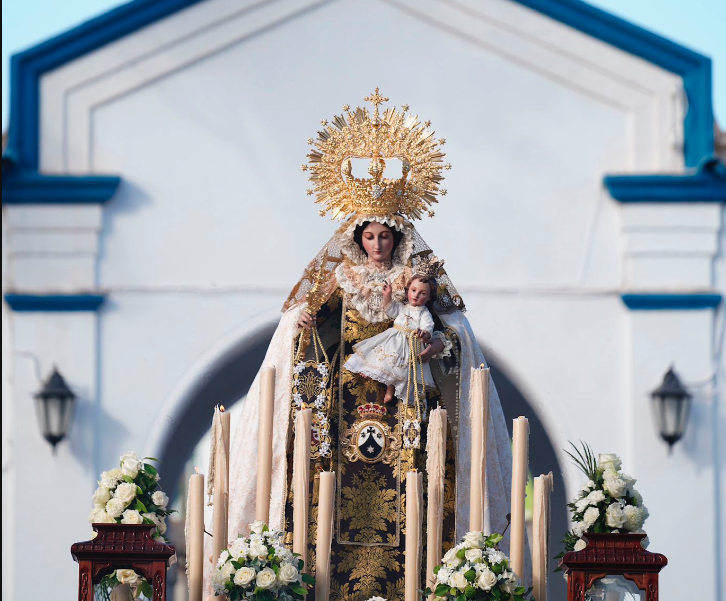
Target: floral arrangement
<point>140,588</point>
<point>130,494</point>
<point>260,567</point>
<point>477,569</point>
<point>607,502</point>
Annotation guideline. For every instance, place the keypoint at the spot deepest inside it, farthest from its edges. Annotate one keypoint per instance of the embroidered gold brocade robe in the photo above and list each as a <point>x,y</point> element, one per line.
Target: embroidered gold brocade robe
<point>369,522</point>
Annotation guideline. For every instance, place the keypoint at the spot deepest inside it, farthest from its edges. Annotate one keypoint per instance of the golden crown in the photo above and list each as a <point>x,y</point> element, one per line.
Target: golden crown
<point>357,134</point>
<point>372,410</point>
<point>428,266</point>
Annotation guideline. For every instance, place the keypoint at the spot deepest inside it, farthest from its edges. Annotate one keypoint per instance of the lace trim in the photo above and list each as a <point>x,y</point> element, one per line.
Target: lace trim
<point>448,345</point>
<point>355,281</point>
<point>350,249</point>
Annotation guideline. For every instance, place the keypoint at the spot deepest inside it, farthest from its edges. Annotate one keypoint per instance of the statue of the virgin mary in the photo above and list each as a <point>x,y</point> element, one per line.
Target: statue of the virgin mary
<point>338,303</point>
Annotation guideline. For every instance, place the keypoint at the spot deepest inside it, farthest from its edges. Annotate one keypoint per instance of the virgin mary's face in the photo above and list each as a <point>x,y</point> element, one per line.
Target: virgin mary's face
<point>378,242</point>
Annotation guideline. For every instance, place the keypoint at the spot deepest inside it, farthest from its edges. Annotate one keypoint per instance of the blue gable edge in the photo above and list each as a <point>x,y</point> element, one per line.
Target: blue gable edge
<point>707,184</point>
<point>29,187</point>
<point>28,66</point>
<point>671,302</point>
<point>54,302</point>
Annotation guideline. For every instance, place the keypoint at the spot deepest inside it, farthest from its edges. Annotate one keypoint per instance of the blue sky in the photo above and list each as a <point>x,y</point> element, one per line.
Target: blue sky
<point>697,24</point>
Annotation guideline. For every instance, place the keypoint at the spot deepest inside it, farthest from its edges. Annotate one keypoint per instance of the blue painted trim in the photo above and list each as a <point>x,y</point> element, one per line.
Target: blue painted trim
<point>708,184</point>
<point>28,66</point>
<point>33,188</point>
<point>54,302</point>
<point>664,302</point>
<point>694,68</point>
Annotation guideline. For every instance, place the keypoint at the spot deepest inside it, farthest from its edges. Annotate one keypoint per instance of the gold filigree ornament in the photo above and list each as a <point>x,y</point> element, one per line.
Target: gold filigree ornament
<point>370,439</point>
<point>358,134</point>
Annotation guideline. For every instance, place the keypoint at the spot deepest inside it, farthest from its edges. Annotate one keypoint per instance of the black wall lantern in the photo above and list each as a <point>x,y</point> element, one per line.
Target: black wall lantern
<point>671,408</point>
<point>54,408</point>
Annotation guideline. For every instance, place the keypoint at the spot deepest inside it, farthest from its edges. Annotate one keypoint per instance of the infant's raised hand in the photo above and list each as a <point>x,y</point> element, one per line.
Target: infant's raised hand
<point>387,291</point>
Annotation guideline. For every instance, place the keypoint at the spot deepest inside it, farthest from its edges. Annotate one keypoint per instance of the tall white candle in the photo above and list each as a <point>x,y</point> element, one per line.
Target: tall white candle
<point>479,395</point>
<point>264,443</point>
<point>221,482</point>
<point>541,533</point>
<point>326,496</point>
<point>435,468</point>
<point>195,534</point>
<point>301,482</point>
<point>520,450</point>
<point>414,491</point>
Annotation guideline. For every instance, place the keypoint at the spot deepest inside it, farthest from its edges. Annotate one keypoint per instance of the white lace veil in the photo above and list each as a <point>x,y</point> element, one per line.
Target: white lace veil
<point>342,245</point>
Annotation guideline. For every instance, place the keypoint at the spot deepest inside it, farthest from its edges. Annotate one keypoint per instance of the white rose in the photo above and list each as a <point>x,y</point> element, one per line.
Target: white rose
<point>595,497</point>
<point>257,526</point>
<point>115,507</point>
<point>487,579</point>
<point>582,504</point>
<point>266,578</point>
<point>458,580</point>
<point>579,528</point>
<point>473,555</point>
<point>637,497</point>
<point>609,461</point>
<point>591,516</point>
<point>474,539</point>
<point>288,574</point>
<point>130,465</point>
<point>101,496</point>
<point>125,492</point>
<point>615,486</point>
<point>244,576</point>
<point>110,478</point>
<point>587,486</point>
<point>629,480</point>
<point>610,474</point>
<point>127,576</point>
<point>160,499</point>
<point>614,516</point>
<point>450,555</point>
<point>99,516</point>
<point>258,551</point>
<point>580,545</point>
<point>131,516</point>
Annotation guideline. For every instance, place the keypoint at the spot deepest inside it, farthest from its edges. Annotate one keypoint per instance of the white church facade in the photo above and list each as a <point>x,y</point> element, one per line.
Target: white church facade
<point>155,218</point>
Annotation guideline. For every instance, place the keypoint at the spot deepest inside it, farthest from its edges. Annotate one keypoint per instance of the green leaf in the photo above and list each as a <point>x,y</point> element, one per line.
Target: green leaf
<point>128,479</point>
<point>152,459</point>
<point>470,575</point>
<point>441,590</point>
<point>461,597</point>
<point>495,539</point>
<point>496,593</point>
<point>150,469</point>
<point>520,590</point>
<point>461,553</point>
<point>308,578</point>
<point>145,589</point>
<point>300,590</point>
<point>139,506</point>
<point>469,592</point>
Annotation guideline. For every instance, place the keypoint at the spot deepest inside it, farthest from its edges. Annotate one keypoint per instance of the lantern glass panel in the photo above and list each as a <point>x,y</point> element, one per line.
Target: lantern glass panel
<point>54,414</point>
<point>614,588</point>
<point>672,414</point>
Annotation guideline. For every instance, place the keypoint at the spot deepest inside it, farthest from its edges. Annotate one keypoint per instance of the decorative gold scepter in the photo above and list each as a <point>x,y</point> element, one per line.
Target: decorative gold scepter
<point>315,299</point>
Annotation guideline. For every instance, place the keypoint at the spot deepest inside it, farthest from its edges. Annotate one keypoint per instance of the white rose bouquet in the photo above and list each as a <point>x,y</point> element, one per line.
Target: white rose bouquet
<point>607,502</point>
<point>140,588</point>
<point>476,569</point>
<point>260,566</point>
<point>130,494</point>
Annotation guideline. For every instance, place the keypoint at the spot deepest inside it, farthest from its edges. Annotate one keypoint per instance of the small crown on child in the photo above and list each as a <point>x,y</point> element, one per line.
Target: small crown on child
<point>372,410</point>
<point>428,266</point>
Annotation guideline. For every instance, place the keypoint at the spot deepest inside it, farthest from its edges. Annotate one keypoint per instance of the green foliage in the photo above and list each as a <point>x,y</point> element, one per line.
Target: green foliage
<point>585,460</point>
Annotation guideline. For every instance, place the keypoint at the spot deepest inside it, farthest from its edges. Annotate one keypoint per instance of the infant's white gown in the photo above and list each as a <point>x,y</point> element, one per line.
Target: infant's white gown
<point>385,357</point>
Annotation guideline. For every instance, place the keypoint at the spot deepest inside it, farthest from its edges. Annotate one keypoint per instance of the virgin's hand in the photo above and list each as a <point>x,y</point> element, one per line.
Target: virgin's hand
<point>432,349</point>
<point>306,321</point>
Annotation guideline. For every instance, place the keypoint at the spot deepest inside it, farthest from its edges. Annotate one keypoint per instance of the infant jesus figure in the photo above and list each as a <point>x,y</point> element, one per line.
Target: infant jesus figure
<point>389,357</point>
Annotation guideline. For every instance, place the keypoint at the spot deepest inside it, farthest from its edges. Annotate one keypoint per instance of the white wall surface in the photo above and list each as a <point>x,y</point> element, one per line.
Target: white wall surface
<point>205,117</point>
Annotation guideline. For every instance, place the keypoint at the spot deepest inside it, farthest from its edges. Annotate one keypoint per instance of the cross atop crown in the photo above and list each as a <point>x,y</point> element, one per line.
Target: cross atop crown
<point>375,99</point>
